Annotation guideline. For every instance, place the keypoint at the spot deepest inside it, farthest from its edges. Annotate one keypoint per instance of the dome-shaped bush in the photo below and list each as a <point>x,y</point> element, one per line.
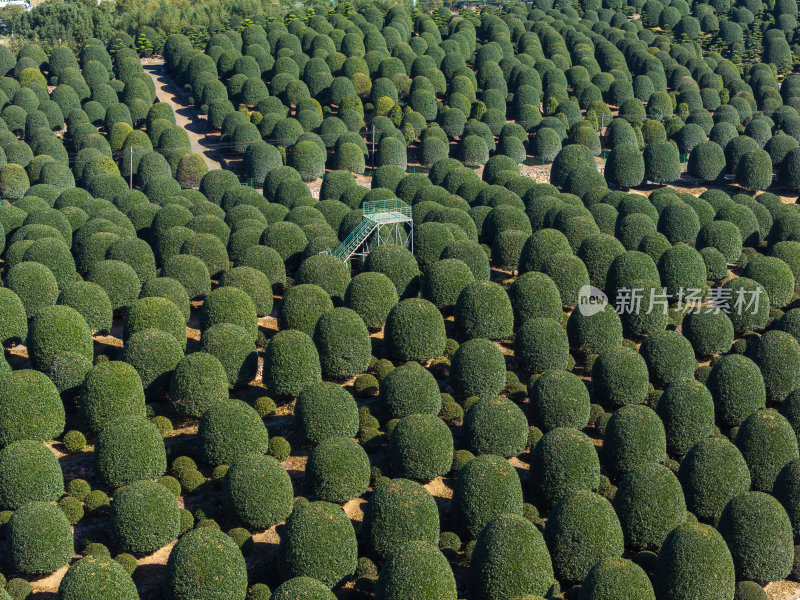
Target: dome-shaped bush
<point>649,503</point>
<point>119,281</point>
<point>541,344</point>
<point>91,301</point>
<point>254,283</point>
<point>614,578</point>
<point>581,530</point>
<point>291,362</point>
<point>694,562</point>
<point>30,408</point>
<point>534,294</point>
<point>669,357</point>
<point>229,305</point>
<point>302,307</point>
<point>56,329</point>
<point>495,426</point>
<point>191,272</point>
<point>751,305</point>
<point>319,542</point>
<point>154,354</point>
<point>343,342</point>
<point>229,430</point>
<point>417,569</point>
<point>39,539</point>
<point>709,332</point>
<point>399,265</point>
<point>737,386</point>
<point>625,166</point>
<point>478,369</point>
<point>510,560</point>
<point>415,330</point>
<point>338,469</point>
<point>775,275</point>
<point>29,472</point>
<point>13,319</point>
<point>619,377</point>
<point>444,280</point>
<point>421,447</point>
<point>484,310</point>
<point>206,564</point>
<point>759,535</point>
<point>324,410</point>
<point>633,436</point>
<point>777,355</point>
<point>97,577</point>
<point>198,382</point>
<point>564,460</point>
<point>410,389</point>
<point>155,313</point>
<point>398,511</point>
<point>328,272</point>
<point>596,333</point>
<point>767,442</point>
<point>372,295</point>
<point>145,516</point>
<point>127,450</point>
<point>34,284</point>
<point>306,588</point>
<point>686,409</point>
<point>711,473</point>
<point>486,487</point>
<point>235,348</point>
<point>722,235</point>
<point>257,490</point>
<point>111,390</point>
<point>682,268</point>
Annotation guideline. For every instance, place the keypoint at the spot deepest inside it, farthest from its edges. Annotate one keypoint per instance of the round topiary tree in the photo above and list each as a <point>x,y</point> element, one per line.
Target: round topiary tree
<point>722,235</point>
<point>300,587</point>
<point>686,409</point>
<point>616,577</point>
<point>55,329</point>
<point>257,490</point>
<point>343,342</point>
<point>13,319</point>
<point>410,389</point>
<point>593,334</point>
<point>29,472</point>
<point>372,295</point>
<point>198,382</point>
<point>97,577</point>
<point>662,163</point>
<point>328,272</point>
<point>34,284</point>
<point>399,265</point>
<point>737,386</point>
<point>669,357</point>
<point>624,166</point>
<point>709,332</point>
<point>229,430</point>
<point>510,559</point>
<point>154,354</point>
<point>751,306</point>
<point>234,347</point>
<point>119,281</point>
<point>634,435</point>
<point>767,442</point>
<point>759,535</point>
<point>620,377</point>
<point>206,564</point>
<point>400,510</point>
<point>91,301</point>
<point>478,368</point>
<point>777,355</point>
<point>229,305</point>
<point>775,275</point>
<point>319,542</point>
<point>754,170</point>
<point>581,530</point>
<point>324,410</point>
<point>39,539</point>
<point>486,487</point>
<point>564,460</point>
<point>534,294</point>
<point>127,450</point>
<point>649,504</point>
<point>110,390</point>
<point>302,307</point>
<point>145,516</point>
<point>421,447</point>
<point>291,362</point>
<point>417,569</point>
<point>495,426</point>
<point>415,330</point>
<point>155,313</point>
<point>541,344</point>
<point>559,399</point>
<point>338,470</point>
<point>444,280</point>
<point>30,408</point>
<point>484,310</point>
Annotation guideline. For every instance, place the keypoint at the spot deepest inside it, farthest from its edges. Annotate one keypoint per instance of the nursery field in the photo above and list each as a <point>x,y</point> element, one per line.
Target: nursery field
<point>372,301</point>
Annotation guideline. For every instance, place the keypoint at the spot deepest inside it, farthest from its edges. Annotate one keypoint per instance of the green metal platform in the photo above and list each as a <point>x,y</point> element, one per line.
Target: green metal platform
<point>384,222</point>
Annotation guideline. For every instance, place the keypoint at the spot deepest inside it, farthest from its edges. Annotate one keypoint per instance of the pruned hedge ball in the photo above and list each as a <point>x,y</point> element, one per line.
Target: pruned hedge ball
<point>686,409</point>
<point>95,577</point>
<point>372,295</point>
<point>127,450</point>
<point>145,516</point>
<point>594,334</point>
<point>235,348</point>
<point>415,331</point>
<point>581,530</point>
<point>669,357</point>
<point>155,313</point>
<point>633,436</point>
<point>751,313</point>
<point>410,389</point>
<point>775,275</point>
<point>229,430</point>
<point>306,588</point>
<point>119,281</point>
<point>302,307</point>
<point>91,301</point>
<point>257,490</point>
<point>417,569</point>
<point>154,354</point>
<point>541,344</point>
<point>767,442</point>
<point>56,329</point>
<point>324,410</point>
<point>709,332</point>
<point>559,399</point>
<point>29,472</point>
<point>620,377</point>
<point>110,390</point>
<point>229,305</point>
<point>343,342</point>
<point>13,318</point>
<point>291,362</point>
<point>338,470</point>
<point>328,272</point>
<point>39,538</point>
<point>34,284</point>
<point>738,389</point>
<point>30,408</point>
<point>421,447</point>
<point>399,510</point>
<point>534,294</point>
<point>614,578</point>
<point>777,354</point>
<point>496,426</point>
<point>483,309</point>
<point>198,382</point>
<point>478,368</point>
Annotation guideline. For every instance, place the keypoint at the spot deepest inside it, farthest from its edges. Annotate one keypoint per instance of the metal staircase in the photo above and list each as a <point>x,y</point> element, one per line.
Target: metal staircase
<point>378,214</point>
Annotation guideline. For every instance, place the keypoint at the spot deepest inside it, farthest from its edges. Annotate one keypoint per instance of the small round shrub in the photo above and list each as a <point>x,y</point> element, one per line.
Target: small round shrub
<point>111,390</point>
<point>398,511</point>
<point>486,487</point>
<point>759,535</point>
<point>616,577</point>
<point>495,426</point>
<point>13,319</point>
<point>417,569</point>
<point>191,272</point>
<point>541,344</point>
<point>119,281</point>
<point>56,329</point>
<point>776,277</point>
<point>74,441</point>
<point>737,386</point>
<point>559,399</point>
<point>145,516</point>
<point>686,409</point>
<point>39,538</point>
<point>302,307</point>
<point>343,342</point>
<point>254,283</point>
<point>415,331</point>
<point>319,542</point>
<point>129,449</point>
<point>34,284</point>
<point>325,410</point>
<point>30,408</point>
<point>235,348</point>
<point>29,472</point>
<point>722,235</point>
<point>307,588</point>
<point>206,564</point>
<point>767,442</point>
<point>198,382</point>
<point>709,332</point>
<point>326,271</point>
<point>291,362</point>
<point>478,369</point>
<point>534,294</point>
<point>91,301</point>
<point>154,354</point>
<point>510,559</point>
<point>229,430</point>
<point>97,577</point>
<point>777,355</point>
<point>421,447</point>
<point>338,469</point>
<point>444,280</point>
<point>257,490</point>
<point>633,436</point>
<point>594,334</point>
<point>581,530</point>
<point>372,295</point>
<point>155,313</point>
<point>749,590</point>
<point>620,377</point>
<point>562,461</point>
<point>229,305</point>
<point>669,357</point>
<point>483,310</point>
<point>408,390</point>
<point>279,448</point>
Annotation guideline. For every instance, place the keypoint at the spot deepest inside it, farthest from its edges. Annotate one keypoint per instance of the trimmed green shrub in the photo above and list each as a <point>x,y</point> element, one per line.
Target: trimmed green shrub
<point>229,305</point>
<point>614,578</point>
<point>711,473</point>
<point>634,435</point>
<point>709,332</point>
<point>559,399</point>
<point>298,587</point>
<point>55,329</point>
<point>235,348</point>
<point>562,461</point>
<point>581,530</point>
<point>410,389</point>
<point>624,166</point>
<point>372,296</point>
<point>97,577</point>
<point>686,409</point>
<point>421,447</point>
<point>13,319</point>
<point>417,569</point>
<point>302,307</point>
<point>737,386</point>
<point>415,330</point>
<point>620,377</point>
<point>198,382</point>
<point>679,222</point>
<point>486,488</point>
<point>495,426</point>
<point>291,362</point>
<point>669,357</point>
<point>129,449</point>
<point>444,280</point>
<point>318,541</point>
<point>541,344</point>
<point>751,307</point>
<point>662,162</point>
<point>326,271</point>
<point>30,408</point>
<point>257,490</point>
<point>767,442</point>
<point>343,342</point>
<point>338,469</point>
<point>145,516</point>
<point>399,265</point>
<point>775,275</point>
<point>754,170</point>
<point>649,503</point>
<point>111,390</point>
<point>34,284</point>
<point>230,430</point>
<point>119,281</point>
<point>471,254</point>
<point>29,472</point>
<point>478,369</point>
<point>777,355</point>
<point>91,301</point>
<point>785,490</point>
<point>155,313</point>
<point>533,295</point>
<point>39,538</point>
<point>325,410</point>
<point>595,333</point>
<point>484,310</point>
<point>682,268</point>
<point>759,535</point>
<point>707,161</point>
<point>206,564</point>
<point>749,590</point>
<point>510,559</point>
<point>154,354</point>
